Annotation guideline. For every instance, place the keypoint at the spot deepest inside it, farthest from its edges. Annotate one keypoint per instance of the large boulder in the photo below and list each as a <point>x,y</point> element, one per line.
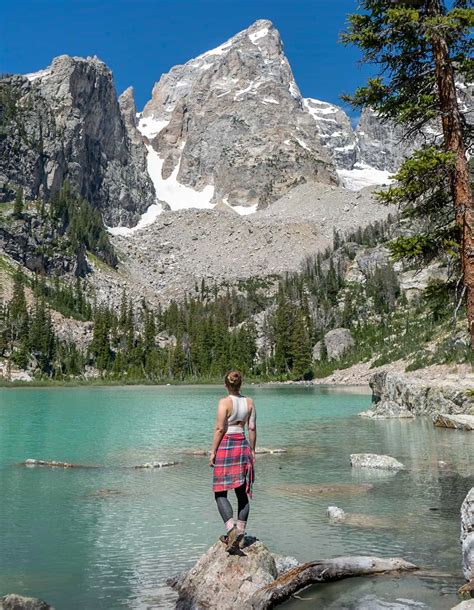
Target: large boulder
<point>220,580</point>
<point>467,535</point>
<point>338,341</point>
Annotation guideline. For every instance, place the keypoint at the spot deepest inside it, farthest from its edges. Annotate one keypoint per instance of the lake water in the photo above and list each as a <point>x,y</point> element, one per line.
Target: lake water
<point>64,539</point>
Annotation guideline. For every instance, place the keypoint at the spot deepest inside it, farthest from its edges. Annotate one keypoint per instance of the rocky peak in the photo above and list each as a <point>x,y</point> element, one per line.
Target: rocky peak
<point>232,121</point>
<point>129,113</point>
<point>68,125</point>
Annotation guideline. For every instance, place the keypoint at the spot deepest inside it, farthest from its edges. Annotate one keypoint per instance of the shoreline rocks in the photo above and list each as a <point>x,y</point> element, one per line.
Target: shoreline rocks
<point>458,422</point>
<point>398,396</point>
<point>467,536</point>
<point>12,601</point>
<point>373,460</point>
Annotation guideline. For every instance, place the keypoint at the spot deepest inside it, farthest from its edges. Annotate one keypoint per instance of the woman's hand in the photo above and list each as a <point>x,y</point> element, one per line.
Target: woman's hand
<point>252,454</point>
<point>212,459</point>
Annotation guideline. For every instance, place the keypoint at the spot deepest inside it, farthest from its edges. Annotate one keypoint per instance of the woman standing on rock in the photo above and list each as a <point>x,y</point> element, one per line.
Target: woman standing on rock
<point>233,456</point>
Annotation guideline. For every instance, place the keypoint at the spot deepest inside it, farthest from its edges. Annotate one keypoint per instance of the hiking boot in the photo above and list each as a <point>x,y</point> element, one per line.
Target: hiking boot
<point>242,540</point>
<point>233,539</point>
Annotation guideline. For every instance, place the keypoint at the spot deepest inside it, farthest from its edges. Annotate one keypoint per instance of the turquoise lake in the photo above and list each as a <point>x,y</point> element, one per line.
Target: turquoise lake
<point>109,537</point>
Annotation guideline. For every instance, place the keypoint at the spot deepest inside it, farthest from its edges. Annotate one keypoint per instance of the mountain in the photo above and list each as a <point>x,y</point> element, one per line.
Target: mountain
<point>231,127</point>
<point>65,123</point>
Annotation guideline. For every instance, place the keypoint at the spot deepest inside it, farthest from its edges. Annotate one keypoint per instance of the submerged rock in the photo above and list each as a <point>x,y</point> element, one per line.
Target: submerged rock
<point>151,465</point>
<point>18,602</point>
<point>467,535</point>
<point>53,464</point>
<point>373,460</point>
<point>258,451</point>
<point>302,489</point>
<point>337,515</point>
<point>459,422</point>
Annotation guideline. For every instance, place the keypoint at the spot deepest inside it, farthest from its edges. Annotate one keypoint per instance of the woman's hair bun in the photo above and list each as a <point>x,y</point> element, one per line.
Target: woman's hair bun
<point>233,380</point>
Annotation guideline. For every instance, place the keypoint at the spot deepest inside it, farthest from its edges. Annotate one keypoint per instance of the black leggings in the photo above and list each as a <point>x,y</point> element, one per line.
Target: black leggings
<point>225,508</point>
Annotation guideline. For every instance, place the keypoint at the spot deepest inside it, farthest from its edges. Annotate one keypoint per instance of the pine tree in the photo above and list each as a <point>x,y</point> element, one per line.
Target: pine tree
<point>18,205</point>
<point>301,349</point>
<point>421,47</point>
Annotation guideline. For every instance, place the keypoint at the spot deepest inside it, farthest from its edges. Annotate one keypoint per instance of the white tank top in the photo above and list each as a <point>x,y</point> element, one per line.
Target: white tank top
<point>239,413</point>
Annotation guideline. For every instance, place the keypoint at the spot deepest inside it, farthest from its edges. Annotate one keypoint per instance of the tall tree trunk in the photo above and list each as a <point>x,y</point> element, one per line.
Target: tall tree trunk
<point>453,141</point>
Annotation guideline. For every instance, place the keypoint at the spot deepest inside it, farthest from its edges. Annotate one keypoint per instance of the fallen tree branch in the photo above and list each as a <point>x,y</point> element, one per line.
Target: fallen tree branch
<point>326,570</point>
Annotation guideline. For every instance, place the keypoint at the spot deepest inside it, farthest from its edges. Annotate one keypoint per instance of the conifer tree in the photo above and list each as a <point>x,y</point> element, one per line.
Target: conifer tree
<point>421,47</point>
<point>18,205</point>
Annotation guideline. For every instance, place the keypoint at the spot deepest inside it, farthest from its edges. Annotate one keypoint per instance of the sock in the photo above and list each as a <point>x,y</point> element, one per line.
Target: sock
<point>229,524</point>
<point>241,525</point>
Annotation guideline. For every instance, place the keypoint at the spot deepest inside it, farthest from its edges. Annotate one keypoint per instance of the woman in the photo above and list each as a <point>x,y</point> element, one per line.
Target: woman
<point>232,457</point>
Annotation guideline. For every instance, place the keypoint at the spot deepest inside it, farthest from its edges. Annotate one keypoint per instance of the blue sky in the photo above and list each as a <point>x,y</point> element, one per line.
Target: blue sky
<point>141,39</point>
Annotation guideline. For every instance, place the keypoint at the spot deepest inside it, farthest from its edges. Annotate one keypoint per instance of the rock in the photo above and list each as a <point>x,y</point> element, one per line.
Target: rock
<point>308,490</point>
<point>151,465</point>
<point>283,564</point>
<point>459,422</point>
<point>18,602</point>
<point>335,514</point>
<point>467,604</point>
<point>467,535</point>
<point>338,341</point>
<point>373,460</point>
<point>72,128</point>
<point>52,464</point>
<point>220,580</point>
<point>397,395</point>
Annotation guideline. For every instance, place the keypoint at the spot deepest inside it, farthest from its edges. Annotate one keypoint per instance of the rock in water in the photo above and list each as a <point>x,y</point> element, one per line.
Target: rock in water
<point>335,513</point>
<point>18,602</point>
<point>219,580</point>
<point>467,535</point>
<point>373,460</point>
<point>459,422</point>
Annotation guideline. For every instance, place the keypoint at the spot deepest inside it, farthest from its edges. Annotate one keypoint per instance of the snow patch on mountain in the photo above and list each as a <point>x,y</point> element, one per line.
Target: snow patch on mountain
<point>362,175</point>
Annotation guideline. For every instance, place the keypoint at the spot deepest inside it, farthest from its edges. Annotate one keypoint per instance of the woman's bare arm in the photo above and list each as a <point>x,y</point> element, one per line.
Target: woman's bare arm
<point>252,424</point>
<point>220,428</point>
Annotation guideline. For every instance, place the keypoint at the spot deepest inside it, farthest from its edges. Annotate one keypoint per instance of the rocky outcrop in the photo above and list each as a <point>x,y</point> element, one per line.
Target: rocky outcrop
<point>467,536</point>
<point>251,578</point>
<point>231,125</point>
<point>458,422</point>
<point>381,144</point>
<point>335,131</point>
<point>64,123</point>
<point>397,395</point>
<point>373,460</point>
<point>338,341</point>
<point>19,602</point>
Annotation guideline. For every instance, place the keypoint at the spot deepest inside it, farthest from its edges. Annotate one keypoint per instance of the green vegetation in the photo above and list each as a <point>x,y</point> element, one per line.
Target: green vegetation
<point>421,48</point>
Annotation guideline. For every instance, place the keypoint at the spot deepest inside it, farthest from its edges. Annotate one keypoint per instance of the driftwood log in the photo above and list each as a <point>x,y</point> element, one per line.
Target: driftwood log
<point>325,570</point>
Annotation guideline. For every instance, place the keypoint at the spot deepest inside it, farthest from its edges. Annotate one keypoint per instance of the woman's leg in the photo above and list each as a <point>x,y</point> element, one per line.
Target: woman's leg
<point>243,507</point>
<point>225,509</point>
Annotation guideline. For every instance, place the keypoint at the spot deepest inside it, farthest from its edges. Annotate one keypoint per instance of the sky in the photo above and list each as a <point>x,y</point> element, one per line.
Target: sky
<point>141,39</point>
